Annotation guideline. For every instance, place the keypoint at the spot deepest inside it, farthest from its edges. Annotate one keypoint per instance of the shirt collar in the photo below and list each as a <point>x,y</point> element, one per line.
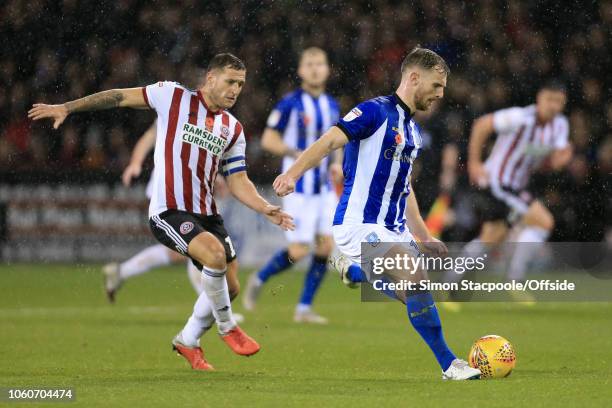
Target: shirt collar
<point>201,97</point>
<point>405,107</point>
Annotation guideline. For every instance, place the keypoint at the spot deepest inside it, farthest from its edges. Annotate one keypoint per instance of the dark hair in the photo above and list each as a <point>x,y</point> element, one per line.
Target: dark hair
<point>226,60</point>
<point>553,85</point>
<point>424,58</point>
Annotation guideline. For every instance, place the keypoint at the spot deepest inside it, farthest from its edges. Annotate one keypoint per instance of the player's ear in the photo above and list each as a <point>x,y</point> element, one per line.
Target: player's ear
<point>414,77</point>
<point>210,77</point>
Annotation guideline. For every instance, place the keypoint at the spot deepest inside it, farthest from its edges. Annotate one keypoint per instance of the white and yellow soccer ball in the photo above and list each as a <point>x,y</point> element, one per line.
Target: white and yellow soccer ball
<point>493,355</point>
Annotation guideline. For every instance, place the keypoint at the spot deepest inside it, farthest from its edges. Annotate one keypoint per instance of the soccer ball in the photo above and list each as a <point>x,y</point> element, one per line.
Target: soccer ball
<point>493,355</point>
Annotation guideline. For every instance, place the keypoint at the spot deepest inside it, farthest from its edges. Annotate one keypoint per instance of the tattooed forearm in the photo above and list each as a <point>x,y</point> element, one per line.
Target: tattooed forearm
<point>98,101</point>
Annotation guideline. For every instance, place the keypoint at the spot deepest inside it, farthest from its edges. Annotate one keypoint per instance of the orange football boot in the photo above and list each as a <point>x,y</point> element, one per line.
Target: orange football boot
<point>240,342</point>
<point>194,355</point>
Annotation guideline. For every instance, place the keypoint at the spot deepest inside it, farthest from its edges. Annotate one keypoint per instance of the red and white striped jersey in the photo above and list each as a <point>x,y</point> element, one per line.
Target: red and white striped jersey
<point>193,142</point>
<point>522,144</point>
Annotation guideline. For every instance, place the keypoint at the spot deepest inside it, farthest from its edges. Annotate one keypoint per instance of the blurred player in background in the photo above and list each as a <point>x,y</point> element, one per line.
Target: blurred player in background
<point>378,204</point>
<point>196,137</point>
<point>295,123</point>
<point>528,138</point>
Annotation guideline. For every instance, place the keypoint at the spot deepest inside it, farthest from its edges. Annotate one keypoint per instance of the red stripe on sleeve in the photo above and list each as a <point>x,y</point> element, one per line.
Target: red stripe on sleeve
<point>237,131</point>
<point>175,107</point>
<point>186,155</point>
<point>146,98</point>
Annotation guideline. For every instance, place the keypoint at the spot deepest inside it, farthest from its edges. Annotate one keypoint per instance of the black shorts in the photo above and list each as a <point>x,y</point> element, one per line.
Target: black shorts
<point>175,229</point>
<point>503,204</point>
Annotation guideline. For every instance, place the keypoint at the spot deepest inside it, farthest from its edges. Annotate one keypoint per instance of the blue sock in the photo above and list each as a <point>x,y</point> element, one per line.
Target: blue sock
<point>356,274</point>
<point>314,276</point>
<point>425,320</point>
<point>278,263</point>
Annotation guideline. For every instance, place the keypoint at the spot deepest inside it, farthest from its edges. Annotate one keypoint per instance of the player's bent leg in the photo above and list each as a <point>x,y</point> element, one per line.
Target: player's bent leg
<point>312,282</point>
<point>537,224</point>
<point>279,262</point>
<point>147,259</point>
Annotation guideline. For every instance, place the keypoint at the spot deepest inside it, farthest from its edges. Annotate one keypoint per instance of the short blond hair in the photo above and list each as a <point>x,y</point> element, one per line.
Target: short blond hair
<point>312,51</point>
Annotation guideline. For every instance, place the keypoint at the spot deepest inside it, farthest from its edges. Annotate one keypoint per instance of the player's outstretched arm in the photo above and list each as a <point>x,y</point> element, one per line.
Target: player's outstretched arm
<point>113,98</point>
<point>333,139</point>
<point>417,227</point>
<point>481,130</point>
<point>144,145</point>
<point>272,142</point>
<point>244,190</point>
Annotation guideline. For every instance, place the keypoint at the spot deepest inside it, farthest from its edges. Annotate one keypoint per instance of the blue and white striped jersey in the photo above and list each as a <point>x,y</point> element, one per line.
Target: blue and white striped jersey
<point>302,119</point>
<point>378,160</point>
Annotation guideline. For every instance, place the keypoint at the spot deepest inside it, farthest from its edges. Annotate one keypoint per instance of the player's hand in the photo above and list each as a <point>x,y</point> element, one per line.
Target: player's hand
<point>284,185</point>
<point>279,217</point>
<point>336,174</point>
<point>434,246</point>
<point>132,171</point>
<point>57,113</point>
<point>478,174</point>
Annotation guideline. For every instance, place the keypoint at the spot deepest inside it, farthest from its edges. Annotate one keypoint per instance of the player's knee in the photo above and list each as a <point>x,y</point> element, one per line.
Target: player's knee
<point>217,260</point>
<point>324,248</point>
<point>297,252</point>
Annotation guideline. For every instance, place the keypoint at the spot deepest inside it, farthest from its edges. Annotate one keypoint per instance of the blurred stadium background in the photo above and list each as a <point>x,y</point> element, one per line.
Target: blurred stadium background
<point>60,192</point>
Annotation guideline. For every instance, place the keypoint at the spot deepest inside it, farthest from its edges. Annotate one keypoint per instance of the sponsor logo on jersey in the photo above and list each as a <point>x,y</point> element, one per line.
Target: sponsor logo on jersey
<point>203,139</point>
<point>395,155</point>
<point>353,114</point>
<point>186,227</point>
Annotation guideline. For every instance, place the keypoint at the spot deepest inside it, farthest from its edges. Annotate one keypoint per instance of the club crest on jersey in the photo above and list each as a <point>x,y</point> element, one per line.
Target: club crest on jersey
<point>372,239</point>
<point>398,138</point>
<point>203,139</point>
<point>186,227</point>
<point>353,114</point>
<point>305,119</point>
<point>225,131</point>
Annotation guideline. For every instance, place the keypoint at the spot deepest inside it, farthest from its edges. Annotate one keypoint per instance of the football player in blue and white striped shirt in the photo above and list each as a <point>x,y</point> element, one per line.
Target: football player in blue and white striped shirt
<point>295,123</point>
<point>381,142</point>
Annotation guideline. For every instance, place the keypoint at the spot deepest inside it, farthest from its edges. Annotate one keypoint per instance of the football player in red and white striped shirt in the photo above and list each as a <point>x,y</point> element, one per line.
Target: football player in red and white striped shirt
<point>528,138</point>
<point>196,138</point>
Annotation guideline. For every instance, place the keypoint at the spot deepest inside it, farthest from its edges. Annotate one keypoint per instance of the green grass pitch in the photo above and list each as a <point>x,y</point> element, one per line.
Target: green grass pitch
<point>57,330</point>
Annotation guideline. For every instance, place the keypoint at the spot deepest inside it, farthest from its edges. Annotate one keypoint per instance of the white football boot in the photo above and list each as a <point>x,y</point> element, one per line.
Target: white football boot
<point>309,316</point>
<point>341,264</point>
<point>112,280</point>
<point>460,370</point>
<point>254,285</point>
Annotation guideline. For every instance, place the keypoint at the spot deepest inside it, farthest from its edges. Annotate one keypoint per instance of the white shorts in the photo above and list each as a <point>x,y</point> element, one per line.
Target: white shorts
<point>348,239</point>
<point>312,214</point>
